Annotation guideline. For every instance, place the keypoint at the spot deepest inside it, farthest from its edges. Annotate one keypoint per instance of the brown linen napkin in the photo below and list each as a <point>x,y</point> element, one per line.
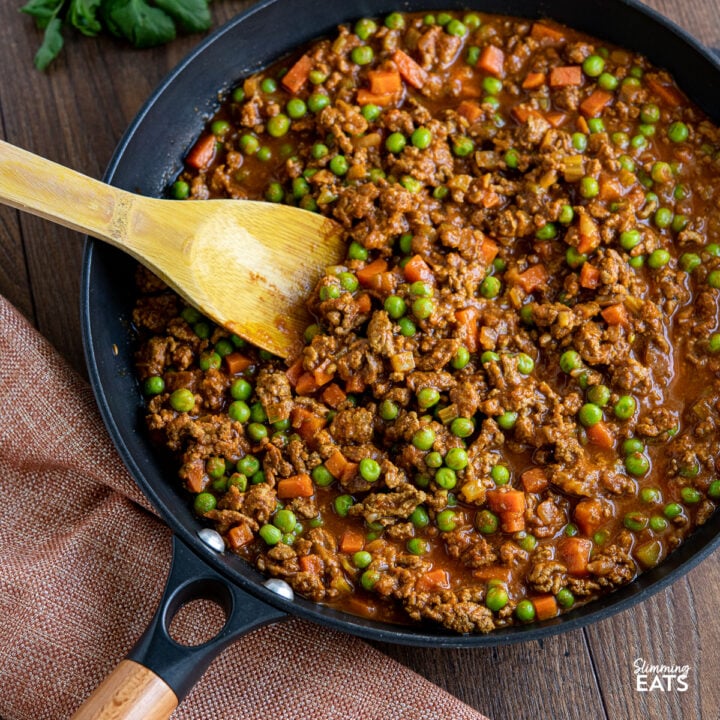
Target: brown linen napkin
<point>82,568</point>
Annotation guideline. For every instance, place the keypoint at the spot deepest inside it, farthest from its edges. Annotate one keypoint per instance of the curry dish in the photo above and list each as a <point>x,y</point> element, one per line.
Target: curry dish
<point>508,403</point>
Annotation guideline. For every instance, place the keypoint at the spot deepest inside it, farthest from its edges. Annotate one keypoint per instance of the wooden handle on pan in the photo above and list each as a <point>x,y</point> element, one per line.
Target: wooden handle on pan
<point>130,692</point>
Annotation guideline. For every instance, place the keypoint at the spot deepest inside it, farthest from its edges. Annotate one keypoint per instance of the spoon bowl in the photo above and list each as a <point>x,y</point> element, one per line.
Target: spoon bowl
<point>247,265</point>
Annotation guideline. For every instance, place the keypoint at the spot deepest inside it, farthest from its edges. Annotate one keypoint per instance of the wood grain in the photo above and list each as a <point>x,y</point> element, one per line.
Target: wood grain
<point>75,114</point>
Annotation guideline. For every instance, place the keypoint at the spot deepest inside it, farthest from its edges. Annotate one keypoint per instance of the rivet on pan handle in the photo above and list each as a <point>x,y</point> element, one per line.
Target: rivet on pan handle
<point>158,672</point>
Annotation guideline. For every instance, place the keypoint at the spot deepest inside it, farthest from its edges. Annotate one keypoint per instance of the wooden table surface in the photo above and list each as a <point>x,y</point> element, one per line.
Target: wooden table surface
<point>75,114</point>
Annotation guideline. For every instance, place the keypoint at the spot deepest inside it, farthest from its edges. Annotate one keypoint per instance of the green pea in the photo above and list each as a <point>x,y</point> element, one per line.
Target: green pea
<point>275,192</point>
<point>395,21</point>
<point>593,65</point>
<point>714,490</point>
<point>427,397</point>
<point>204,502</point>
<point>690,495</point>
<point>713,279</point>
<point>317,102</point>
<point>637,262</point>
<point>285,520</point>
<point>627,163</point>
<point>500,474</point>
<point>362,55</point>
<point>546,232</point>
<point>339,165</point>
<point>395,142</point>
<point>248,465</point>
<point>342,504</point>
<point>579,141</point>
<point>258,478</point>
<point>456,458</point>
<point>678,132</point>
<point>639,142</point>
<point>566,215</point>
<point>446,520</point>
<point>421,138</point>
<point>621,139</point>
<point>589,187</point>
<point>371,112</point>
<point>473,55</point>
<point>357,252</point>
<point>637,464</point>
<point>714,343</point>
<point>625,407</point>
<point>461,358</point>
<point>630,239</point>
<point>239,481</point>
<point>463,146</point>
<point>365,27</point>
<point>268,85</point>
<point>599,394</point>
<point>600,537</point>
<point>264,154</point>
<point>571,530</point>
<point>570,360</point>
<point>525,611</point>
<point>507,420</point>
<point>663,218</point>
<point>419,517</point>
<point>658,523</point>
<point>154,385</point>
<point>423,308</point>
<point>496,598</point>
<point>596,125</point>
<point>407,327</point>
<point>256,431</point>
<point>278,125</point>
<point>525,364</point>
<point>321,476</point>
<point>424,438</point>
<point>492,85</point>
<point>713,249</point>
<point>369,579</point>
<point>270,534</point>
<point>182,400</point>
<point>238,94</point>
<point>489,356</point>
<point>462,427</point>
<point>296,108</point>
<point>180,190</point>
<point>361,559</point>
<point>590,414</point>
<point>680,222</point>
<point>369,469</point>
<point>456,28</point>
<point>607,81</point>
<point>633,445</point>
<point>388,410</point>
<point>490,287</point>
<point>635,521</point>
<point>565,598</point>
<point>202,330</point>
<point>574,258</point>
<point>672,510</point>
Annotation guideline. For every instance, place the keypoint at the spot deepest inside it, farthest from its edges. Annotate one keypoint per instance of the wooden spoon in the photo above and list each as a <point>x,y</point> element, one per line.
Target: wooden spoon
<point>247,265</point>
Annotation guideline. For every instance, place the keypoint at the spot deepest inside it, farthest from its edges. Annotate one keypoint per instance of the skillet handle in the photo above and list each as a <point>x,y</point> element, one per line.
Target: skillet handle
<point>158,672</point>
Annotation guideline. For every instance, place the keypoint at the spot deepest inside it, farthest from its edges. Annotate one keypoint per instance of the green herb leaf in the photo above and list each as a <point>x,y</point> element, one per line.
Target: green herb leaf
<point>82,15</point>
<point>42,10</point>
<point>138,22</point>
<point>191,15</point>
<point>51,45</point>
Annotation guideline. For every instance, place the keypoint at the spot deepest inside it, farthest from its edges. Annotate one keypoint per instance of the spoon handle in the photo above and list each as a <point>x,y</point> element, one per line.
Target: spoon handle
<point>34,184</point>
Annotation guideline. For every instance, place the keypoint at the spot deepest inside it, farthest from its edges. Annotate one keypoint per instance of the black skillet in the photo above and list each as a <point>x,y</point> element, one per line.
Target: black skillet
<point>149,157</point>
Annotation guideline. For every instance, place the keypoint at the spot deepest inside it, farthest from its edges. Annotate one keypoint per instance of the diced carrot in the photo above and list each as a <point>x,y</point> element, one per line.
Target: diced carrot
<point>297,75</point>
<point>501,501</point>
<point>294,372</point>
<point>365,274</point>
<point>202,153</point>
<point>582,125</point>
<point>534,80</point>
<point>367,97</point>
<point>433,580</point>
<point>492,60</point>
<point>195,476</point>
<point>564,76</point>
<point>237,362</point>
<point>360,606</point>
<point>556,119</point>
<point>417,269</point>
<point>470,110</point>
<point>296,486</point>
<point>534,278</point>
<point>669,94</point>
<point>589,276</point>
<point>321,376</point>
<point>306,423</point>
<point>239,536</point>
<point>354,384</point>
<point>333,395</point>
<point>522,113</point>
<point>311,563</point>
<point>588,515</point>
<point>541,31</point>
<point>592,105</point>
<point>492,572</point>
<point>534,480</point>
<point>601,435</point>
<point>512,522</point>
<point>351,541</point>
<point>410,71</point>
<point>340,467</point>
<point>364,303</point>
<point>306,384</point>
<point>488,250</point>
<point>467,321</point>
<point>589,233</point>
<point>574,553</point>
<point>610,190</point>
<point>382,283</point>
<point>616,315</point>
<point>384,82</point>
<point>546,607</point>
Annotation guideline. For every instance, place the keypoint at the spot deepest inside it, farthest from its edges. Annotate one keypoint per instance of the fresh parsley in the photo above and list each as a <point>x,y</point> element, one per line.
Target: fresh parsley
<point>144,23</point>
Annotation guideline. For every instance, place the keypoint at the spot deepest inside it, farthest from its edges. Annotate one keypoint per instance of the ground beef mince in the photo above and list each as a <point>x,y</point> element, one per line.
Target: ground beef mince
<point>508,403</point>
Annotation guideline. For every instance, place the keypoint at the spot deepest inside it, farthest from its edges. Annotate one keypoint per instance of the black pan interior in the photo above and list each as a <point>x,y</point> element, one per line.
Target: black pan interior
<point>150,155</point>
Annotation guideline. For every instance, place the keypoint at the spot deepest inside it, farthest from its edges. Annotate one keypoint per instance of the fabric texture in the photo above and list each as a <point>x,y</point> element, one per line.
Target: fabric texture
<point>82,568</point>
